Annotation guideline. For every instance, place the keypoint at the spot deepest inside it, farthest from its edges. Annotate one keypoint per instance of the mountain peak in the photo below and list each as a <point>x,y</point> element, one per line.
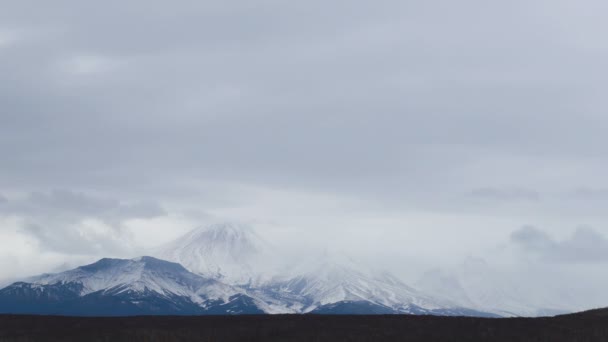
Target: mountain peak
<point>140,263</point>
<point>138,275</point>
<point>144,285</point>
<point>228,228</point>
<point>226,251</point>
<point>224,235</point>
<point>151,263</point>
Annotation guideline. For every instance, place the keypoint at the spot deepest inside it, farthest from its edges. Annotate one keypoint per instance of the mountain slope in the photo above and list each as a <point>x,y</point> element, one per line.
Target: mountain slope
<point>337,284</point>
<point>235,254</point>
<point>226,271</point>
<point>117,287</point>
<point>229,252</point>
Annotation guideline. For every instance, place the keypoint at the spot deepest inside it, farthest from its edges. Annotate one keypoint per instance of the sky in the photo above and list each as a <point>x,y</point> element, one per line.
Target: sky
<point>415,134</point>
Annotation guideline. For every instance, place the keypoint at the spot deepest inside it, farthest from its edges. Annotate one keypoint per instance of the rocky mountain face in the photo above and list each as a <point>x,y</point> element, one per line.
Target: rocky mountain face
<point>118,287</point>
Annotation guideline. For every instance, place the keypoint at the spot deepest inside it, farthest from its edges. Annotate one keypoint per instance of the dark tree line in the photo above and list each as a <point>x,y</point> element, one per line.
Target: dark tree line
<point>310,328</point>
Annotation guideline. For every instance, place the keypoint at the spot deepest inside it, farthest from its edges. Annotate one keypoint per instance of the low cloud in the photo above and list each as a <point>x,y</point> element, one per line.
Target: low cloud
<point>505,194</point>
<point>585,193</point>
<point>584,245</point>
<point>76,222</point>
<point>73,206</point>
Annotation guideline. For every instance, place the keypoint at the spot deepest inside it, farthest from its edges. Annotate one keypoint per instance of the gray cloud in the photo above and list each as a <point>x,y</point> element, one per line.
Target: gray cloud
<point>392,98</point>
<point>70,205</point>
<point>532,239</point>
<point>57,220</point>
<point>508,194</point>
<point>76,240</point>
<point>585,193</point>
<point>585,245</point>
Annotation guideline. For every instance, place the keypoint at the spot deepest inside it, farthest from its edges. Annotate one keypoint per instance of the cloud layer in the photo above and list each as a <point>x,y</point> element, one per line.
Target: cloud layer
<point>585,245</point>
<point>77,223</point>
<point>375,100</point>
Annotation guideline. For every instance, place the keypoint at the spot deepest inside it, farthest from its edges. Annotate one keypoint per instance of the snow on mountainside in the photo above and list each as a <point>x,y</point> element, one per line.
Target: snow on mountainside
<point>225,271</point>
<point>235,255</point>
<point>229,252</point>
<point>111,287</point>
<point>140,274</point>
<point>335,279</point>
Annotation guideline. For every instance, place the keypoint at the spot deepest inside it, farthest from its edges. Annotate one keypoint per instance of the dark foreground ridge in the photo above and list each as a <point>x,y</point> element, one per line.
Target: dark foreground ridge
<point>592,326</point>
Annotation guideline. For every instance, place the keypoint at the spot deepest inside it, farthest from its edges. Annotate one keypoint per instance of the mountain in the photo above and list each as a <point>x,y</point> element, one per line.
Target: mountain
<point>224,269</point>
<point>235,254</point>
<point>336,284</point>
<point>229,252</point>
<point>119,287</point>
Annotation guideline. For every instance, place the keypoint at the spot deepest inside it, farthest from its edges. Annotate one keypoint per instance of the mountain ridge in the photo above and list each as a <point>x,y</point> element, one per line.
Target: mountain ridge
<point>315,281</point>
<point>140,286</point>
<point>217,270</point>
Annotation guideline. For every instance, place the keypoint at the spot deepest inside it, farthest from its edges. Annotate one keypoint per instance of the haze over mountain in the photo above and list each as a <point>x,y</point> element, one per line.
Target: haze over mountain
<point>228,268</point>
<point>235,254</point>
<point>231,252</point>
<point>475,284</point>
<point>223,278</point>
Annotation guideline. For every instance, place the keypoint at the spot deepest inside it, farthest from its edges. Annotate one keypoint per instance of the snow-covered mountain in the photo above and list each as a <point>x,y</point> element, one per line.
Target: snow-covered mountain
<point>139,286</point>
<point>137,275</point>
<point>225,269</point>
<point>236,255</point>
<point>229,252</point>
<point>335,283</point>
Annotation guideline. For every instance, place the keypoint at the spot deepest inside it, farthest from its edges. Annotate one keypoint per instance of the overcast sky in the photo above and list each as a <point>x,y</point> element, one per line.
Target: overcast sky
<point>416,133</point>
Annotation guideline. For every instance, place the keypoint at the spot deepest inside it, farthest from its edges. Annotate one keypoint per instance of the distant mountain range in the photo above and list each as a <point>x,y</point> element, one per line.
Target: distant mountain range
<point>223,269</point>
